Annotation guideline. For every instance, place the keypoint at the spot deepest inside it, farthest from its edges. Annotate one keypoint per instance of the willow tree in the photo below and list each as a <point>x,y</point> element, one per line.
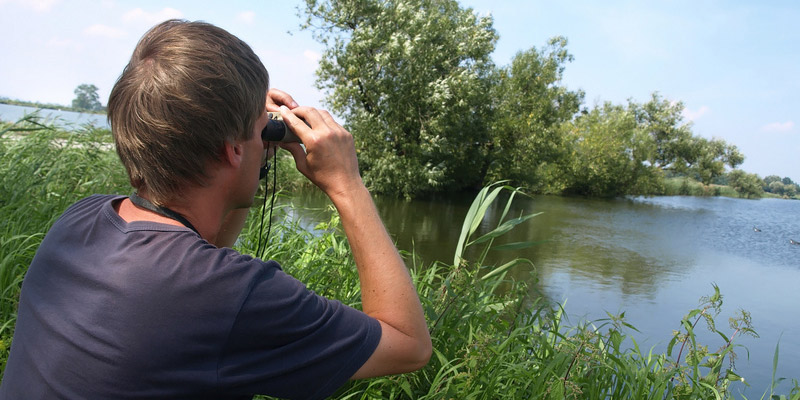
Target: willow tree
<point>527,143</point>
<point>410,78</point>
<point>662,119</point>
<point>609,154</point>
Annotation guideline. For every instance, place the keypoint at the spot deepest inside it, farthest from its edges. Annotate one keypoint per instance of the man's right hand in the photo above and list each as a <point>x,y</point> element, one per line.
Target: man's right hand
<point>329,159</point>
<point>387,291</point>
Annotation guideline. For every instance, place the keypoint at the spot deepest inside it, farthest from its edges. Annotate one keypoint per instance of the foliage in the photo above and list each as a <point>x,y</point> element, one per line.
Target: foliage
<point>527,144</point>
<point>410,78</point>
<point>781,187</point>
<point>699,359</point>
<point>672,138</point>
<point>610,154</point>
<point>712,157</point>
<point>86,98</point>
<point>430,112</point>
<point>747,185</point>
<point>618,150</point>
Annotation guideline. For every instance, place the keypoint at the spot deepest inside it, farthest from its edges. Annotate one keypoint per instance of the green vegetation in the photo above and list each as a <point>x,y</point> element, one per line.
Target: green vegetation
<point>785,187</point>
<point>87,98</point>
<point>430,112</point>
<point>492,334</point>
<point>495,336</point>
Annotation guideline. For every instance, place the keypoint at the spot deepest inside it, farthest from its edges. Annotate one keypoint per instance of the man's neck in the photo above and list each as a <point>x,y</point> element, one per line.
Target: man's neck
<point>203,210</point>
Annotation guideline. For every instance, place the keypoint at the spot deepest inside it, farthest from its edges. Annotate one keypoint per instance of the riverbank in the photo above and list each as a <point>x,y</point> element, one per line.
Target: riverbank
<point>488,341</point>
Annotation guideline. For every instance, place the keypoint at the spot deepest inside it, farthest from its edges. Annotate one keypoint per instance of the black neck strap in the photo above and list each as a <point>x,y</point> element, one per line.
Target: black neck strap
<point>163,211</point>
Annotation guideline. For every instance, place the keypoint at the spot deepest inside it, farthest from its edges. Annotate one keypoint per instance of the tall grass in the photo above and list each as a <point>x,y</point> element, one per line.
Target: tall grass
<point>494,337</point>
<point>685,186</point>
<point>43,170</point>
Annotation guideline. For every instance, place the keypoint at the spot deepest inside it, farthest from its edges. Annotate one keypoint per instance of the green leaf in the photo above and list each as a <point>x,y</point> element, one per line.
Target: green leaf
<point>518,245</point>
<point>503,228</point>
<point>506,266</point>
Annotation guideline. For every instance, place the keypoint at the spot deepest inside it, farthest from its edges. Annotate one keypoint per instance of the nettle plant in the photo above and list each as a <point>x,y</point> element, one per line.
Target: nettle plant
<point>705,369</point>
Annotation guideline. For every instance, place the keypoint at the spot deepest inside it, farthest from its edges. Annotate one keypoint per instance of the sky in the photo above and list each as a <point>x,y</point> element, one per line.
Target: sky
<point>734,64</point>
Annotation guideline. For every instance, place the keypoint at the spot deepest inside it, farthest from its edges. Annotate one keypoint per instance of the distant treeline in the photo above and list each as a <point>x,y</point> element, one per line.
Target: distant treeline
<point>49,106</point>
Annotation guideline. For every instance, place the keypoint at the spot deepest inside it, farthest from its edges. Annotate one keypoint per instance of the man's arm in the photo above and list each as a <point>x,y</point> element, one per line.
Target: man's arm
<point>387,292</point>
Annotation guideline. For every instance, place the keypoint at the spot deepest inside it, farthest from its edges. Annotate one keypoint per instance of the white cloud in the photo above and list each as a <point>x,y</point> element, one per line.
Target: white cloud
<point>104,31</point>
<point>695,115</point>
<point>247,17</point>
<point>36,5</point>
<point>139,15</point>
<point>778,127</point>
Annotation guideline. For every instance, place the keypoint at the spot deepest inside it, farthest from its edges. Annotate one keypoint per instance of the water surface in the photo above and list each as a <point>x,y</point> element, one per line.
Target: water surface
<point>64,119</point>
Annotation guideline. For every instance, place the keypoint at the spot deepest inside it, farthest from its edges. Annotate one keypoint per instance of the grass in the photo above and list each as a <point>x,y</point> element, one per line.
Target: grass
<point>684,186</point>
<point>493,336</point>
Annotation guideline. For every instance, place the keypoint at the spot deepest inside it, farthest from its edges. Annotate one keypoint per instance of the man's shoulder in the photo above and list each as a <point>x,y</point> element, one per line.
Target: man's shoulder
<point>89,204</point>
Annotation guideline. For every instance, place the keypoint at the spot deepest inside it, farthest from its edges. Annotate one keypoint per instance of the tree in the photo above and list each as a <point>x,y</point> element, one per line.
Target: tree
<point>86,98</point>
<point>777,187</point>
<point>410,78</point>
<point>790,190</point>
<point>677,149</point>
<point>609,154</point>
<point>673,138</point>
<point>768,180</point>
<point>711,158</point>
<point>532,105</point>
<point>746,185</point>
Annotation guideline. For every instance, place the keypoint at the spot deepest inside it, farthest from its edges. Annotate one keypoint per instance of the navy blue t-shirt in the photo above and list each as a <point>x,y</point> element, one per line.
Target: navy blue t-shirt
<point>111,309</point>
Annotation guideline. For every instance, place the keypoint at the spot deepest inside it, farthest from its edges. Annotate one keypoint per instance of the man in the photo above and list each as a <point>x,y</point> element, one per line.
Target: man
<point>138,297</point>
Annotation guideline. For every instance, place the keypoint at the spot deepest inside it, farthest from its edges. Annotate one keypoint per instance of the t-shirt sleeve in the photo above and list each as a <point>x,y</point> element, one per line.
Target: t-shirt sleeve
<point>295,342</point>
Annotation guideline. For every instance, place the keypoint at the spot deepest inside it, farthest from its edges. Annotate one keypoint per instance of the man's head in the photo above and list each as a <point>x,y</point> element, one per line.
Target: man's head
<point>188,88</point>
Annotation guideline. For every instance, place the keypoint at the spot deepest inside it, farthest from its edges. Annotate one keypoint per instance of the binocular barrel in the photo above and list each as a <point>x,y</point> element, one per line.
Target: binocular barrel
<point>277,130</point>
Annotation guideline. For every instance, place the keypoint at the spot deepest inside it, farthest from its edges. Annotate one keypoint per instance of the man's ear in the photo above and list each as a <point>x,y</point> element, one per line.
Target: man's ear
<point>232,153</point>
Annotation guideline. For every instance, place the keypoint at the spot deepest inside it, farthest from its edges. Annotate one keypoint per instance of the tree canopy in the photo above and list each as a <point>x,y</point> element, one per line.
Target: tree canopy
<point>87,98</point>
<point>410,78</point>
<point>430,112</point>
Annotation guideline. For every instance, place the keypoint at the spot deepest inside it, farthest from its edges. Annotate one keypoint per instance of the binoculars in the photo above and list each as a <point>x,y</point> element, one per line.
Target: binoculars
<point>277,130</point>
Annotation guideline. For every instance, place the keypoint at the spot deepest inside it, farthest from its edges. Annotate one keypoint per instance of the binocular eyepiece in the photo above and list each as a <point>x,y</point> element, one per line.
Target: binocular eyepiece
<point>277,130</point>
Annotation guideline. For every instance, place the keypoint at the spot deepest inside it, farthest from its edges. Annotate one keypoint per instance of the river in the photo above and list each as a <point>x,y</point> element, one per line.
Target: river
<point>652,258</point>
<point>65,119</point>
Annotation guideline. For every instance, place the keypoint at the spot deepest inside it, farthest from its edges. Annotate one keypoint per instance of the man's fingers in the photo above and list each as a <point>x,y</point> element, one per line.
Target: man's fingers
<point>302,127</point>
<point>277,98</point>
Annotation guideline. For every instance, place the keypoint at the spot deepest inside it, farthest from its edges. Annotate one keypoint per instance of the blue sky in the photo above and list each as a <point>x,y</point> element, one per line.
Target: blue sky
<point>734,64</point>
